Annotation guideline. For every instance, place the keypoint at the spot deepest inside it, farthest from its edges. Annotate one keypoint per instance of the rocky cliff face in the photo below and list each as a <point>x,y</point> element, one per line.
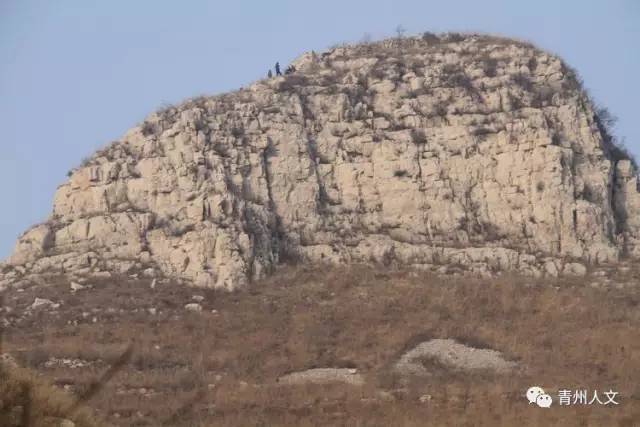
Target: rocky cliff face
<point>475,152</point>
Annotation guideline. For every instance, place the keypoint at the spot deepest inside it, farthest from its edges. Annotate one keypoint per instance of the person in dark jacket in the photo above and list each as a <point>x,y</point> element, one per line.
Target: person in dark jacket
<point>278,73</point>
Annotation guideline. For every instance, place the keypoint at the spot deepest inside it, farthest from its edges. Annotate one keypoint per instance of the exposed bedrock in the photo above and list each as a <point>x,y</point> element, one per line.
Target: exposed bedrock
<point>483,154</point>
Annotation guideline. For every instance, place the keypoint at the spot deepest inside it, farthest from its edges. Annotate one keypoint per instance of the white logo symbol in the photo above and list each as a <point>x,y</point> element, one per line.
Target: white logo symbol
<point>544,401</point>
<point>537,395</point>
<point>533,393</point>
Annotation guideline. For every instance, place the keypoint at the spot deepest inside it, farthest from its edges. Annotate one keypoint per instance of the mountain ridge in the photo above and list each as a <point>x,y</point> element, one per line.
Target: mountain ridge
<point>447,153</point>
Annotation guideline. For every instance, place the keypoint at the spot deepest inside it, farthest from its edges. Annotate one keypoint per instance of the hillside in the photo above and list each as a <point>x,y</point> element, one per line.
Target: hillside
<point>334,347</point>
<point>415,232</point>
<point>469,151</point>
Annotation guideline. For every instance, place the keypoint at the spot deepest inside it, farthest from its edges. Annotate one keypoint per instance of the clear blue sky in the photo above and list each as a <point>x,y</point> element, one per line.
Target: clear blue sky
<point>75,75</point>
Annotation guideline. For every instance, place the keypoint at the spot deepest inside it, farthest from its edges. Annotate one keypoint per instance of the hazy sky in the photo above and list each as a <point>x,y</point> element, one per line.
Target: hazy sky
<point>75,75</point>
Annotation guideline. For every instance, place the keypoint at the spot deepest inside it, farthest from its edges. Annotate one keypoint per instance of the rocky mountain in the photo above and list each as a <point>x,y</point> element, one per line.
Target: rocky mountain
<point>448,153</point>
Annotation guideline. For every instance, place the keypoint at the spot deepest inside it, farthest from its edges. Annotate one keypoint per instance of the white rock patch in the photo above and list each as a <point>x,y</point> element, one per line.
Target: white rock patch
<point>323,376</point>
<point>452,354</point>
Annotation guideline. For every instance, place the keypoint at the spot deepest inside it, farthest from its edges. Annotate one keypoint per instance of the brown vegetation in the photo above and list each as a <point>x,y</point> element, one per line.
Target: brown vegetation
<point>221,368</point>
<point>26,400</point>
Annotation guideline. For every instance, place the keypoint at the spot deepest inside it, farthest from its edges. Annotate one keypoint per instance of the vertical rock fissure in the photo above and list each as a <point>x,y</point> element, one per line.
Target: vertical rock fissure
<point>276,230</point>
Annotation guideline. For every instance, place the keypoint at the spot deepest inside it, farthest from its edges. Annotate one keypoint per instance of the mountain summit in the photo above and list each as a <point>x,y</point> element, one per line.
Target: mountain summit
<point>469,153</point>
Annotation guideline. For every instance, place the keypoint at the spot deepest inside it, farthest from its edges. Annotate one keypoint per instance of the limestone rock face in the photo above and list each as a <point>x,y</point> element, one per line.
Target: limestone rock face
<point>482,153</point>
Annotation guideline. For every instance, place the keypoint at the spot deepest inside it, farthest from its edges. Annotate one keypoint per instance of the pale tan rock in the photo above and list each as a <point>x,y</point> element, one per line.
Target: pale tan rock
<point>195,307</point>
<point>76,287</point>
<point>323,376</point>
<point>575,269</point>
<point>399,152</point>
<point>452,355</point>
<point>32,244</point>
<point>551,269</point>
<point>43,303</point>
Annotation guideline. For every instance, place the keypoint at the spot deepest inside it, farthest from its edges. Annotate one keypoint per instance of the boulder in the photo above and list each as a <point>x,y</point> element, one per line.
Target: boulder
<point>575,269</point>
<point>194,307</point>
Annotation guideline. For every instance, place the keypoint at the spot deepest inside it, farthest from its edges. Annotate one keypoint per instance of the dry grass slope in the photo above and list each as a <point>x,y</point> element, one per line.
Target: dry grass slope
<point>28,401</point>
<point>221,368</point>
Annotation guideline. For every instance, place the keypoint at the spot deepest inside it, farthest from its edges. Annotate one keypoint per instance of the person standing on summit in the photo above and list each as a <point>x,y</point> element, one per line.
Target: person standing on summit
<point>278,73</point>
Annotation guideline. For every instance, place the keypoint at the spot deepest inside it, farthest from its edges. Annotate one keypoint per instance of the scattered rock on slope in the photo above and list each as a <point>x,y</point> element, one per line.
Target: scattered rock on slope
<point>323,376</point>
<point>453,355</point>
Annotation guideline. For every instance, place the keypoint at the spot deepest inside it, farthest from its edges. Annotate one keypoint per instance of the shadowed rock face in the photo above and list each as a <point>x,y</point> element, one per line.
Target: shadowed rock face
<point>482,153</point>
